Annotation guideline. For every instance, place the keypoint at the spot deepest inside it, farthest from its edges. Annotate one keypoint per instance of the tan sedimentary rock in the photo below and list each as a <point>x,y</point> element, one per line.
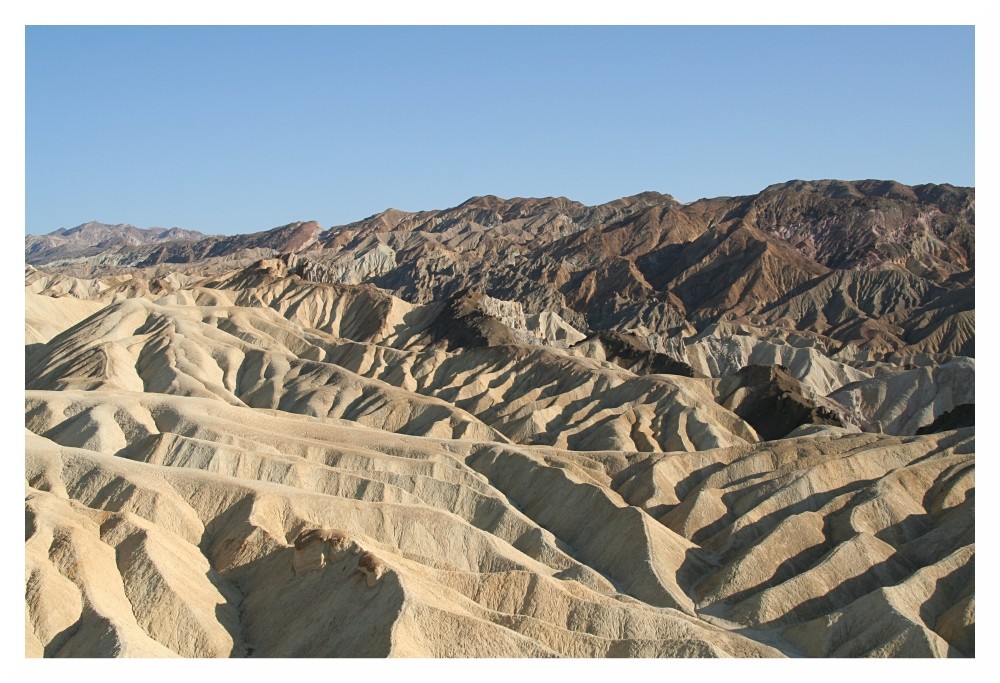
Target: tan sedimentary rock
<point>510,429</point>
<point>372,568</point>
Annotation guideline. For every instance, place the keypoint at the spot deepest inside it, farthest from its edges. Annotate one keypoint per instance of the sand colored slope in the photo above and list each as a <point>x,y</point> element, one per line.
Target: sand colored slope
<point>719,356</point>
<point>45,316</point>
<point>226,459</point>
<point>240,356</point>
<point>902,402</point>
<point>255,357</point>
<point>231,539</point>
<point>523,552</point>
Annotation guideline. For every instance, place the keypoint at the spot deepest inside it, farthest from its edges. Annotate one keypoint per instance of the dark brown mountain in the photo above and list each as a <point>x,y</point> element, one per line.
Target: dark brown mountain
<point>875,264</point>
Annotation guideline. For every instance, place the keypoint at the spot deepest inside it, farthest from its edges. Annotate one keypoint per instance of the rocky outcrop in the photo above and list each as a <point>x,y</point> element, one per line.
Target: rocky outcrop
<point>959,417</point>
<point>634,353</point>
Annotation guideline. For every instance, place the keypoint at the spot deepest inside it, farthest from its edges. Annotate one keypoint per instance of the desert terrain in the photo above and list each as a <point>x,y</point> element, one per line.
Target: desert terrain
<point>735,427</point>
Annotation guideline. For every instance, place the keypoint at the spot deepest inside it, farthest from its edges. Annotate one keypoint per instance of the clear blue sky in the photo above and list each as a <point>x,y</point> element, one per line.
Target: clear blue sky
<point>241,129</point>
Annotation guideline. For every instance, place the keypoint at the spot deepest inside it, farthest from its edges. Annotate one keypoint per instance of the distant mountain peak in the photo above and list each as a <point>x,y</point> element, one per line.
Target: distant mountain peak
<point>93,236</point>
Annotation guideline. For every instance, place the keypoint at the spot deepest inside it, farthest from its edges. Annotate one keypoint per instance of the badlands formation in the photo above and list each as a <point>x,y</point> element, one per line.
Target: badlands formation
<point>738,427</point>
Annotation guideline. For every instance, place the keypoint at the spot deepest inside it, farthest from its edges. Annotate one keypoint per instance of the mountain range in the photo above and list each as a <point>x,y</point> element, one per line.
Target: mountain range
<point>740,426</point>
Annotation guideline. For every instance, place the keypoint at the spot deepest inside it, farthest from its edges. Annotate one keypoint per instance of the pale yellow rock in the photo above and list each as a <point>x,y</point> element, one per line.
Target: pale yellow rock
<point>238,462</point>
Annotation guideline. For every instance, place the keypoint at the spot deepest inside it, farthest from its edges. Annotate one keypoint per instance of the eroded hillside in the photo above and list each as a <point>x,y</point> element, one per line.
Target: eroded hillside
<point>516,428</point>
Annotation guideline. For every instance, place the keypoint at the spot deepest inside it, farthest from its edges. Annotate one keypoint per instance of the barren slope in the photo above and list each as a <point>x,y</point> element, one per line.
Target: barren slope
<point>514,428</point>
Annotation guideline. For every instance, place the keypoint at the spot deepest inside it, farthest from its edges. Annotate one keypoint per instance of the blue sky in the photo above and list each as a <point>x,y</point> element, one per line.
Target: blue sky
<point>241,129</point>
